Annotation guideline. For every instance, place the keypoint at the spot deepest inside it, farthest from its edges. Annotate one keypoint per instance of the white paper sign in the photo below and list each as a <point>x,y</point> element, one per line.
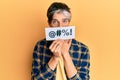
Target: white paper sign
<point>60,33</point>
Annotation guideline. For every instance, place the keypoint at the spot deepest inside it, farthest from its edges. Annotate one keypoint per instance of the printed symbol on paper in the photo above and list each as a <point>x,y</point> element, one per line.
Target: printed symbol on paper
<point>58,32</point>
<point>70,31</point>
<point>52,34</point>
<point>67,32</point>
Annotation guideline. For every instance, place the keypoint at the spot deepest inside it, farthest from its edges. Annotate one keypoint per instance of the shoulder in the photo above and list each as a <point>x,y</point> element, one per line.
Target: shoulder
<point>80,45</point>
<point>43,43</point>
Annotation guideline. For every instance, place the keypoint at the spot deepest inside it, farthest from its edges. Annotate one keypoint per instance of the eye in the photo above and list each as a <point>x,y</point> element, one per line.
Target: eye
<point>65,21</point>
<point>54,22</point>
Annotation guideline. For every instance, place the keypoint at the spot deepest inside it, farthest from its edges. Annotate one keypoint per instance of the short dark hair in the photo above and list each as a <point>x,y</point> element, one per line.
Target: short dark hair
<point>56,6</point>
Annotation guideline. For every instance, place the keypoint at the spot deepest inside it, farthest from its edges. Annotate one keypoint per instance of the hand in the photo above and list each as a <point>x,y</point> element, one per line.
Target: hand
<point>55,47</point>
<point>65,47</point>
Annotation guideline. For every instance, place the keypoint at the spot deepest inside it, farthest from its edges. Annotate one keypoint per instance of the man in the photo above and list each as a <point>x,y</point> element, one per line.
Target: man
<point>47,55</point>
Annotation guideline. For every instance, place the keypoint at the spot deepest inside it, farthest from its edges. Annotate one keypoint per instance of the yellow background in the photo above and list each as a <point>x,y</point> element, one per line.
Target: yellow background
<point>22,24</point>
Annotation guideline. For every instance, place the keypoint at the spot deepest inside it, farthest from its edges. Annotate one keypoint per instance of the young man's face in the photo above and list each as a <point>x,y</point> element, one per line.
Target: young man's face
<point>59,20</point>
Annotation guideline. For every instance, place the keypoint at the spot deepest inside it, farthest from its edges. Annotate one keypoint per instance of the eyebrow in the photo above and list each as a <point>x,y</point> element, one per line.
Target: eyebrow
<point>54,19</point>
<point>62,19</point>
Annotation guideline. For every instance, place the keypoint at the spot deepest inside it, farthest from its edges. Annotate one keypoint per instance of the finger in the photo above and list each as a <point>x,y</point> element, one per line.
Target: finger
<point>69,42</point>
<point>57,44</point>
<point>58,51</point>
<point>53,43</point>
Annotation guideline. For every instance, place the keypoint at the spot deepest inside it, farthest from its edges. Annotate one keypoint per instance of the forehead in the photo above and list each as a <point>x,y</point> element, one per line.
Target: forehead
<point>59,16</point>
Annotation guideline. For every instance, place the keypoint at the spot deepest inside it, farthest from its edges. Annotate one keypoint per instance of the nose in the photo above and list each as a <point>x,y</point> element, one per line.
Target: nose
<point>61,24</point>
